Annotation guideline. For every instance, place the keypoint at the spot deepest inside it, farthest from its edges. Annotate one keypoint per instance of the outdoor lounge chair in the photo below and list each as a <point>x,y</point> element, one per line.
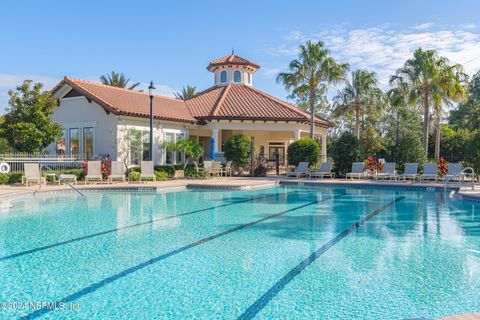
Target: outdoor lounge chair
<point>147,172</point>
<point>216,169</point>
<point>457,172</point>
<point>429,172</point>
<point>227,170</point>
<point>357,170</point>
<point>325,171</point>
<point>94,171</point>
<point>300,171</point>
<point>411,172</point>
<point>32,173</point>
<point>117,171</point>
<point>388,172</point>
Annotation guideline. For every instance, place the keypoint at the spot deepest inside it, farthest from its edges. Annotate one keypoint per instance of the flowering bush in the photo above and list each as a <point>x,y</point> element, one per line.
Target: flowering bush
<point>106,165</point>
<point>442,167</point>
<point>373,164</point>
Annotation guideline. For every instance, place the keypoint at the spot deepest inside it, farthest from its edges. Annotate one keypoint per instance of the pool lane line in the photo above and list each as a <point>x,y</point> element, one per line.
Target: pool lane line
<point>19,254</point>
<point>261,302</point>
<point>95,286</point>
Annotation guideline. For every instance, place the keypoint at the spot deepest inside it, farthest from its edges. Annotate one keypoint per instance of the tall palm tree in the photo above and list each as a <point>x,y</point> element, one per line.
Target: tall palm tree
<point>418,78</point>
<point>117,80</point>
<point>450,88</point>
<point>313,70</point>
<point>186,93</point>
<point>361,94</point>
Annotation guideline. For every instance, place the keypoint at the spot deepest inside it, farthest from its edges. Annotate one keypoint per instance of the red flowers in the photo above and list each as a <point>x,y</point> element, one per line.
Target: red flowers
<point>372,164</point>
<point>442,167</point>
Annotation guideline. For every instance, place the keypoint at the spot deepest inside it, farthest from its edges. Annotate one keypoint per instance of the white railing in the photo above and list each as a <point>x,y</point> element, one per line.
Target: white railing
<point>55,162</point>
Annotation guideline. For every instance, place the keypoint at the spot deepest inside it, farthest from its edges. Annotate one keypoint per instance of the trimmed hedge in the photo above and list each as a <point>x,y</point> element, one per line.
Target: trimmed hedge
<point>237,149</point>
<point>303,150</point>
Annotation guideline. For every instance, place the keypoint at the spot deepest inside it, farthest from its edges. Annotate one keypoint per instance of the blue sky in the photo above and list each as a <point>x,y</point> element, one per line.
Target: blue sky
<point>172,42</point>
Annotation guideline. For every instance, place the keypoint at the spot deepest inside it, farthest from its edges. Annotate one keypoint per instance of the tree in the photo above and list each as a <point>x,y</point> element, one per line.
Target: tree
<point>237,149</point>
<point>360,94</point>
<point>303,150</point>
<point>467,115</point>
<point>449,88</point>
<point>409,149</point>
<point>28,126</point>
<point>371,141</point>
<point>313,71</point>
<point>117,80</point>
<point>418,78</point>
<point>186,93</point>
<point>128,145</point>
<point>193,150</point>
<point>346,150</point>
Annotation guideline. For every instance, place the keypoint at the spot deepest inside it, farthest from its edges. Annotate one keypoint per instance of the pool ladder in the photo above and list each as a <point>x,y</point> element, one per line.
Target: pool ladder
<point>61,179</point>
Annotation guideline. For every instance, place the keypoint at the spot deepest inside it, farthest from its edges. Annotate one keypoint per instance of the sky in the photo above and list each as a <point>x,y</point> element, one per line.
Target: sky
<point>172,42</point>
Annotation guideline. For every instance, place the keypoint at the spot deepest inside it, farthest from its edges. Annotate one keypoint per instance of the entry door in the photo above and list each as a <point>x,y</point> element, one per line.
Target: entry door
<point>274,150</point>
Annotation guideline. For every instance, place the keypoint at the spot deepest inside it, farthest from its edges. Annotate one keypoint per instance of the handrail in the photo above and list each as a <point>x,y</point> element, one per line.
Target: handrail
<point>61,179</point>
<point>466,172</point>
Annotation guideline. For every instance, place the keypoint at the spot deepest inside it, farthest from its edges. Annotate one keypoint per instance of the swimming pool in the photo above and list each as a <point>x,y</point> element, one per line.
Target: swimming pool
<point>280,253</point>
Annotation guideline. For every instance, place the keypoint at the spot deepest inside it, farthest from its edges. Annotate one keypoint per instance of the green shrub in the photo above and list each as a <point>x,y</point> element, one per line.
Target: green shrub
<point>472,152</point>
<point>161,175</point>
<point>4,177</point>
<point>409,149</point>
<point>168,169</point>
<point>134,176</point>
<point>191,172</point>
<point>237,149</point>
<point>15,178</point>
<point>303,150</point>
<point>346,150</point>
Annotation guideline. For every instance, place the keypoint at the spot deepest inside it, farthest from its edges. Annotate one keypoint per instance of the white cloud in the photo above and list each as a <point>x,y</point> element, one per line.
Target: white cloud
<point>424,26</point>
<point>383,49</point>
<point>160,89</point>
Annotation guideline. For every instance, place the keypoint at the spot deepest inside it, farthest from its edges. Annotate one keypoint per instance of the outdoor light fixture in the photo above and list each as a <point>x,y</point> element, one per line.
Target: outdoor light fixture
<point>150,149</point>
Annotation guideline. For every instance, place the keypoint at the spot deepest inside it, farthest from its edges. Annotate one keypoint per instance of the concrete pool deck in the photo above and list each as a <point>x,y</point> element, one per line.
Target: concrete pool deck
<point>465,191</point>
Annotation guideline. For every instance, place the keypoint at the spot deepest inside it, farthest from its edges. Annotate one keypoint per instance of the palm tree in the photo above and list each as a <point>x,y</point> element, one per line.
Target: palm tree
<point>187,93</point>
<point>117,80</point>
<point>359,95</point>
<point>450,88</point>
<point>311,72</point>
<point>418,78</point>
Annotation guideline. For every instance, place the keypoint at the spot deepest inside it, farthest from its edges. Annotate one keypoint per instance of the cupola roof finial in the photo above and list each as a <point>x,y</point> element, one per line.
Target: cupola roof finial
<point>233,50</point>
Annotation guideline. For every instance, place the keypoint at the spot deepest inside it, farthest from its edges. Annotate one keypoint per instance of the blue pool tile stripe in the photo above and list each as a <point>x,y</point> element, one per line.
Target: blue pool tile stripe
<point>19,254</point>
<point>261,302</point>
<point>126,272</point>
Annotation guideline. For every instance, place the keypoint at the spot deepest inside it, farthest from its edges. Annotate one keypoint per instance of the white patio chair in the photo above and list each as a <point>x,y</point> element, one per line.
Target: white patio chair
<point>388,172</point>
<point>324,171</point>
<point>94,171</point>
<point>357,170</point>
<point>32,174</point>
<point>227,170</point>
<point>117,171</point>
<point>147,171</point>
<point>300,171</point>
<point>429,172</point>
<point>411,172</point>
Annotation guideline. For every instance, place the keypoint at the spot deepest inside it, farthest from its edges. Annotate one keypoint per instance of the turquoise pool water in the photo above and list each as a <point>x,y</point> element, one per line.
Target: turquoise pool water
<point>281,253</point>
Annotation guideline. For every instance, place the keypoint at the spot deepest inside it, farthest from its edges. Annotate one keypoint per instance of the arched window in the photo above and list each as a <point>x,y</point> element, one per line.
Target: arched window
<point>236,76</point>
<point>223,76</point>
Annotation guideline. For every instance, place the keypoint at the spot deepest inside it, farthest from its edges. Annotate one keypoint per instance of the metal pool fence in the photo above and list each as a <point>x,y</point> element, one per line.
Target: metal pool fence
<point>16,161</point>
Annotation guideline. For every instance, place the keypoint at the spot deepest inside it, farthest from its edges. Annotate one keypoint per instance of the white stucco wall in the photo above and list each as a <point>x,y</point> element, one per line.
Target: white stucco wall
<point>77,112</point>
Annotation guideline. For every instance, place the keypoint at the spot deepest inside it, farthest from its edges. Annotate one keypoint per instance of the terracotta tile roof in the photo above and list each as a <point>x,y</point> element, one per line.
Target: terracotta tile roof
<point>230,102</point>
<point>239,101</point>
<point>130,102</point>
<point>232,59</point>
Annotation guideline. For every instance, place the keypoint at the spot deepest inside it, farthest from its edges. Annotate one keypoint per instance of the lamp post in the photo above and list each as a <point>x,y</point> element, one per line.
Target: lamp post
<point>150,148</point>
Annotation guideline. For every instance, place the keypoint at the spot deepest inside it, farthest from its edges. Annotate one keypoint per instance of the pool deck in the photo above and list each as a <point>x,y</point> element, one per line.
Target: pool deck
<point>466,316</point>
<point>247,183</point>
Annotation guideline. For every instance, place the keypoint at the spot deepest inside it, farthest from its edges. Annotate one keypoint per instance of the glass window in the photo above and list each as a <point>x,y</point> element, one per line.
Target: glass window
<point>169,137</point>
<point>237,76</point>
<point>179,156</point>
<point>88,142</point>
<point>223,76</point>
<point>74,141</point>
<point>249,78</point>
<point>62,144</point>
<point>135,146</point>
<point>146,145</point>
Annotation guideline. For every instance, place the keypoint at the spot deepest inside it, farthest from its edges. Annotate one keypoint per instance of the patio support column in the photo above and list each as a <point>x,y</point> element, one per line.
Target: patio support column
<point>297,134</point>
<point>324,148</point>
<point>214,142</point>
